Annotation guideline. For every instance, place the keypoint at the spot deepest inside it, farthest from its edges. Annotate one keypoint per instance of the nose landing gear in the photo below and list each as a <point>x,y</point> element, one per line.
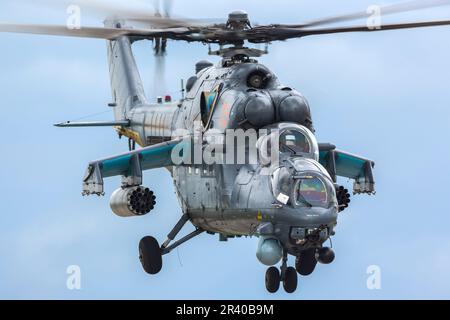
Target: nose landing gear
<point>287,275</point>
<point>290,280</point>
<point>273,279</point>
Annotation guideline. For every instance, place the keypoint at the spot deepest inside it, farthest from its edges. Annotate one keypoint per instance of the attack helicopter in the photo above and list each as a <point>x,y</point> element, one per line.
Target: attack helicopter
<point>290,201</point>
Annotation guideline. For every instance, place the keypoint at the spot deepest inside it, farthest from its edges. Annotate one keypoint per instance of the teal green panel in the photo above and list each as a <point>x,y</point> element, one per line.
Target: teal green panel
<point>116,166</point>
<point>347,165</point>
<point>156,156</point>
<point>322,157</point>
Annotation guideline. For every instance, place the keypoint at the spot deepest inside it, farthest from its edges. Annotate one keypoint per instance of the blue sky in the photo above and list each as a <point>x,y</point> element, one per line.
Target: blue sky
<point>382,95</point>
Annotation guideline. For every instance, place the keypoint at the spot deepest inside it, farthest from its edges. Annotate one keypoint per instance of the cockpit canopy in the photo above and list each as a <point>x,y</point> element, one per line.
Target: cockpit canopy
<point>293,140</point>
<point>311,190</point>
<point>307,184</point>
<point>298,179</point>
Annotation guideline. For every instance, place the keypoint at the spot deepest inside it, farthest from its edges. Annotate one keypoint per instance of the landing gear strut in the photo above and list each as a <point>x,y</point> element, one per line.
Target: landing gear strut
<point>150,253</point>
<point>287,275</point>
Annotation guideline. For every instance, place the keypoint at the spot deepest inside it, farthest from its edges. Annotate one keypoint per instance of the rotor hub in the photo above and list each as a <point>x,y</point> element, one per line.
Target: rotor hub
<point>238,20</point>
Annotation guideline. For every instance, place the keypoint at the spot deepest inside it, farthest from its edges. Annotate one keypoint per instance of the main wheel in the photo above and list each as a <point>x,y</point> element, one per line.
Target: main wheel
<point>150,255</point>
<point>273,279</point>
<point>306,262</point>
<point>290,280</point>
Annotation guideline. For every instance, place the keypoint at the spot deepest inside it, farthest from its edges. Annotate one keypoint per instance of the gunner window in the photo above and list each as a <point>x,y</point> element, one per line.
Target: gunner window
<point>311,190</point>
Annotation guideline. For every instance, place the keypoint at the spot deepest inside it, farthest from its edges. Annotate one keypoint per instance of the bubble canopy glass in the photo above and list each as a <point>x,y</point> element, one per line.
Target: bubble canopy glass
<point>311,190</point>
<point>293,139</point>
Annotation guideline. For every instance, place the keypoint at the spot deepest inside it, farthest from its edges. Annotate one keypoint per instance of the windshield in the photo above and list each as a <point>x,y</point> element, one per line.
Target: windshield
<point>311,191</point>
<point>294,141</point>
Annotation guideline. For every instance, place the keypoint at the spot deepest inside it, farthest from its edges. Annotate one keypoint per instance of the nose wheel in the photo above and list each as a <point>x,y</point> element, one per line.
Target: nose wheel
<point>287,275</point>
<point>273,279</point>
<point>290,280</point>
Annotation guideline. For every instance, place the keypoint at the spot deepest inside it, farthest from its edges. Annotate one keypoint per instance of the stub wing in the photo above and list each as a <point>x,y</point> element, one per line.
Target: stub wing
<point>129,165</point>
<point>344,164</point>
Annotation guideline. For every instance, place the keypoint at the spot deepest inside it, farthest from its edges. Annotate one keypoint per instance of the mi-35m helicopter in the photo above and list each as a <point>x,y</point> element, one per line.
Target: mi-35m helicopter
<point>291,204</point>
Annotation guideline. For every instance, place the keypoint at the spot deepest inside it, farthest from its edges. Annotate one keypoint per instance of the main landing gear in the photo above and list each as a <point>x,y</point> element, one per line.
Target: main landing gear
<point>305,264</point>
<point>150,253</point>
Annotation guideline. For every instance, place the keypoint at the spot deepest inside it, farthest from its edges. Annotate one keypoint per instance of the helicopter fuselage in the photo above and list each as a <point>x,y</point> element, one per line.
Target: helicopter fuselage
<point>235,199</point>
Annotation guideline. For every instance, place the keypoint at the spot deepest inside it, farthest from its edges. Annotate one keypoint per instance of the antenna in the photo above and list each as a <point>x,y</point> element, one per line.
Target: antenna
<point>183,90</point>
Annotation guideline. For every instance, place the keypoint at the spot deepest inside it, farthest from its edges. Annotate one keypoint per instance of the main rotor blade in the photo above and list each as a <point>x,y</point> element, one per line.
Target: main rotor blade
<point>398,26</point>
<point>136,10</point>
<point>87,32</point>
<point>102,8</point>
<point>384,10</point>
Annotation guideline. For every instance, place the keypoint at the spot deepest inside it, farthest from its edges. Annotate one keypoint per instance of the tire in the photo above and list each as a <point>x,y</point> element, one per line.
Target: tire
<point>273,279</point>
<point>306,262</point>
<point>150,255</point>
<point>290,280</point>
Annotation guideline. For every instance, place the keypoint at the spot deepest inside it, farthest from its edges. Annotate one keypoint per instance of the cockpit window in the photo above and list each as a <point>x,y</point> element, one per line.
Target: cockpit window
<point>311,191</point>
<point>281,182</point>
<point>294,142</point>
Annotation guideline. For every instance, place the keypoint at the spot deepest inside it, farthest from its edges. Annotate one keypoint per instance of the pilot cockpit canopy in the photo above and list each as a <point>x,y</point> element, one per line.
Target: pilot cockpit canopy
<point>293,140</point>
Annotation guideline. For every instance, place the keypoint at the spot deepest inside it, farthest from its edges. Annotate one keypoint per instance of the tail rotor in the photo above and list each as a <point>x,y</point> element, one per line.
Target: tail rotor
<point>162,9</point>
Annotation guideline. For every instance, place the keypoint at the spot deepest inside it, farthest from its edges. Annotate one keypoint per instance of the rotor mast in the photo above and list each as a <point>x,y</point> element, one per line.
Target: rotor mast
<point>238,21</point>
